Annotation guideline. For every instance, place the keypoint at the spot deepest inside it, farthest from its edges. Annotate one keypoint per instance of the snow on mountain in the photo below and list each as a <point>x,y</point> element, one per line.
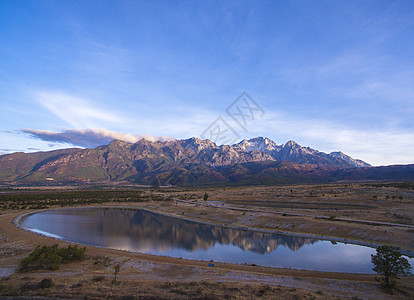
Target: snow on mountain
<point>258,144</point>
<point>356,162</point>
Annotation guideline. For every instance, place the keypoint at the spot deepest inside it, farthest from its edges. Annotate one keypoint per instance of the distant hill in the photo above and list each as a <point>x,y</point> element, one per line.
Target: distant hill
<point>193,162</point>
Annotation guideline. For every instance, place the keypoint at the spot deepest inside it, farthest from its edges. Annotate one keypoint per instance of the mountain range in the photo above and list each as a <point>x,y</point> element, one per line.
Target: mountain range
<point>192,162</point>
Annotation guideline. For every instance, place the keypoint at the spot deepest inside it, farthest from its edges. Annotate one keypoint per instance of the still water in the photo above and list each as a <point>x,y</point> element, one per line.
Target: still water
<point>146,232</point>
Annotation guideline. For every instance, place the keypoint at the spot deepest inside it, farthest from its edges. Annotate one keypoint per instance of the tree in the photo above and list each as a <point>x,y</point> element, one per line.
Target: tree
<point>389,264</point>
<point>205,197</point>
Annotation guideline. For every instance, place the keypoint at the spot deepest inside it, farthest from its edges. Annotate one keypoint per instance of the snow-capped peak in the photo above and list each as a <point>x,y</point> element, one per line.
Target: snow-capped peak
<point>257,144</point>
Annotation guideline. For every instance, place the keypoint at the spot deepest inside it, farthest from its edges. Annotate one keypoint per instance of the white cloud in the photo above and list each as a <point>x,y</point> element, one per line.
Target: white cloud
<point>89,137</point>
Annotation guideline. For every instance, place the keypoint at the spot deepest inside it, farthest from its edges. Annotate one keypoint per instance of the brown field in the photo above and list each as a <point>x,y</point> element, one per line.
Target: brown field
<point>367,213</point>
<point>353,211</point>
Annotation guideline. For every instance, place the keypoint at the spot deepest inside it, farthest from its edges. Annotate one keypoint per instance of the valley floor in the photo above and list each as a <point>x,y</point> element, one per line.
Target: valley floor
<point>343,211</point>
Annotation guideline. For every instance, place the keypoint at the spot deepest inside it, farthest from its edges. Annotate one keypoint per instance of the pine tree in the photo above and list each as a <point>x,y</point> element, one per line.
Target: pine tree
<point>389,264</point>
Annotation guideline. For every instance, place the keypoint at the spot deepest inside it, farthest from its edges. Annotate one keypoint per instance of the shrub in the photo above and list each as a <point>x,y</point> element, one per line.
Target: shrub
<point>42,257</point>
<point>71,253</point>
<point>46,283</point>
<point>50,257</point>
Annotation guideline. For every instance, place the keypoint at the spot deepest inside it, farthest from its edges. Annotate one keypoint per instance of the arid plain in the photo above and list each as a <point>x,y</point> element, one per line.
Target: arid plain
<point>366,213</point>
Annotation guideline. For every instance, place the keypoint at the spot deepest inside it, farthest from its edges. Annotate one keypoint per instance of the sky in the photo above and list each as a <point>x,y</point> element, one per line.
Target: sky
<point>330,75</point>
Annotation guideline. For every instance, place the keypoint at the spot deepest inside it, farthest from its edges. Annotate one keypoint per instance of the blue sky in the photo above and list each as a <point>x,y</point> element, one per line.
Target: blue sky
<point>331,75</point>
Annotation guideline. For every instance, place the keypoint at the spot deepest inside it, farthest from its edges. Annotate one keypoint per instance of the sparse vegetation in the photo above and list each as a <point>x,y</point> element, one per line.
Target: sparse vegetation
<point>102,261</point>
<point>408,185</point>
<point>33,200</point>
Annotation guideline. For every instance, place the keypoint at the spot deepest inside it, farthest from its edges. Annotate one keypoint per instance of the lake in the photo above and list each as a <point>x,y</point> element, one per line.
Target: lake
<point>147,232</point>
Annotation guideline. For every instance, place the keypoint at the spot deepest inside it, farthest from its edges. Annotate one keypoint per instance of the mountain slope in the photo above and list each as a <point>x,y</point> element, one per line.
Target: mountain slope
<point>192,162</point>
<point>20,165</point>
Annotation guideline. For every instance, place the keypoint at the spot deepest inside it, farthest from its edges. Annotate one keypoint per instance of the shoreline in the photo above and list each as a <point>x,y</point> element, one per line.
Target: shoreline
<point>162,272</point>
<point>16,222</point>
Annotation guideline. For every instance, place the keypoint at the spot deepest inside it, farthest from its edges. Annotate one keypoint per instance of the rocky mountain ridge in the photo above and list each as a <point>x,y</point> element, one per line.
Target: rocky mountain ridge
<point>185,162</point>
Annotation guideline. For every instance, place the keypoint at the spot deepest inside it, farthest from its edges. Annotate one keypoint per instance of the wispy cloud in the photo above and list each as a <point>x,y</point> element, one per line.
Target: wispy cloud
<point>88,137</point>
<point>5,151</point>
<point>76,111</point>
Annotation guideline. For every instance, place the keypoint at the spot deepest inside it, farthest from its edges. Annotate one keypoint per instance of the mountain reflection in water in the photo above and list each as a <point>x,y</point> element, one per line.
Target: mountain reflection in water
<point>146,232</point>
<point>142,231</point>
<point>152,228</point>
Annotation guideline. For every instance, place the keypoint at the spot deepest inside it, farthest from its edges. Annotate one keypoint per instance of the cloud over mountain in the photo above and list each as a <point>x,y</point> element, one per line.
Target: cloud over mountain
<point>89,137</point>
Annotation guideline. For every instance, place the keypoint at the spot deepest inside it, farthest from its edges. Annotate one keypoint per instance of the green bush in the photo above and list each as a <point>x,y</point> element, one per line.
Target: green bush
<point>71,253</point>
<point>50,257</point>
<point>42,257</point>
